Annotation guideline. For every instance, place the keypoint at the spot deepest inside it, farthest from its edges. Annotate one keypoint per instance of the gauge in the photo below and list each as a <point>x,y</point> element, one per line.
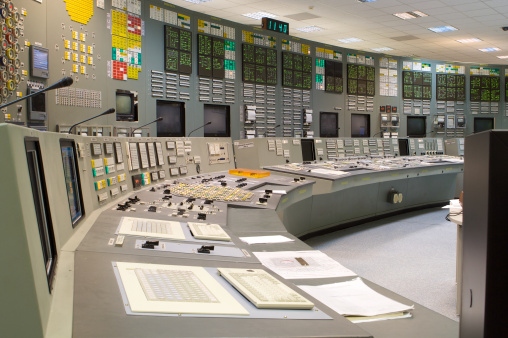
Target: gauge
<point>3,60</point>
<point>5,30</point>
<point>16,47</point>
<point>10,22</point>
<point>11,85</point>
<point>16,32</point>
<point>4,13</point>
<point>16,17</point>
<point>17,78</point>
<point>11,54</point>
<point>5,92</point>
<point>4,76</point>
<point>11,69</point>
<point>10,7</point>
<point>5,45</point>
<point>17,63</point>
<point>10,38</point>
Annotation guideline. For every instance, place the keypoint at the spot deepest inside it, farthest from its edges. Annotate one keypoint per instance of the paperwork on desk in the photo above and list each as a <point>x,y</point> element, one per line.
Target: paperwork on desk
<point>354,298</point>
<point>302,264</point>
<point>329,172</point>
<point>454,204</point>
<point>266,239</point>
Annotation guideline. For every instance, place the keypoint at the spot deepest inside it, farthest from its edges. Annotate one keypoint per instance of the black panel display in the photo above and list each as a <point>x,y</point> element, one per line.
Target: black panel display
<point>177,50</point>
<point>426,92</point>
<point>418,78</point>
<point>407,91</point>
<point>205,66</point>
<point>333,77</point>
<point>271,58</point>
<point>451,87</point>
<point>427,79</point>
<point>259,64</point>
<point>211,52</point>
<point>485,88</point>
<point>417,92</point>
<point>297,63</point>
<point>287,78</point>
<point>361,80</point>
<point>407,78</point>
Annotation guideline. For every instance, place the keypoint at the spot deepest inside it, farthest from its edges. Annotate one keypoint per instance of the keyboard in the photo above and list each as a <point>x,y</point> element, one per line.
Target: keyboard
<point>263,290</point>
<point>208,231</point>
<point>151,228</point>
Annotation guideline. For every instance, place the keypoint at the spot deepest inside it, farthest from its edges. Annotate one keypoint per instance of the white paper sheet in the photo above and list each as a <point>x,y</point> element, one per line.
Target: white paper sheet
<point>288,264</point>
<point>266,239</point>
<point>354,298</point>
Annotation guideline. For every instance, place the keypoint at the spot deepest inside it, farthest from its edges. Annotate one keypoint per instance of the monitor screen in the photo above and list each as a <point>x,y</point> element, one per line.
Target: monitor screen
<point>416,126</point>
<point>124,106</point>
<point>218,115</point>
<point>403,147</point>
<point>40,62</point>
<point>72,183</point>
<point>173,118</point>
<point>36,106</point>
<point>360,125</point>
<point>328,124</point>
<point>308,151</point>
<point>483,123</point>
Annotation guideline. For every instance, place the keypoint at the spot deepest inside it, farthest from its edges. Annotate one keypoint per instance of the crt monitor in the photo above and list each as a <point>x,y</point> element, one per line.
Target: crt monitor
<point>72,182</point>
<point>39,62</point>
<point>173,118</point>
<point>126,105</point>
<point>416,126</point>
<point>328,124</point>
<point>403,147</point>
<point>483,123</point>
<point>219,117</point>
<point>308,151</point>
<point>360,125</point>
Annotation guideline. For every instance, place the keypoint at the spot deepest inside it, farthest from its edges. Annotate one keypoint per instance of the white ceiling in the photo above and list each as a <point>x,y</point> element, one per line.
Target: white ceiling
<point>375,23</point>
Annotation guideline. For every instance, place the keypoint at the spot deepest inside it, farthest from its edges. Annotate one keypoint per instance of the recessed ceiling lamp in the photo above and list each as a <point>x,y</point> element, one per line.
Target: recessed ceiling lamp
<point>442,29</point>
<point>410,15</point>
<point>382,49</point>
<point>196,1</point>
<point>350,40</point>
<point>309,29</point>
<point>259,15</point>
<point>469,40</point>
<point>490,49</point>
<point>503,57</point>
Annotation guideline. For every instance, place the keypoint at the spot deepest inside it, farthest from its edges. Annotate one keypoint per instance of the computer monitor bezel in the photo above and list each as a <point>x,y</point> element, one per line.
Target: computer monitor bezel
<point>367,117</point>
<point>75,219</point>
<point>483,119</point>
<point>416,118</point>
<point>181,132</point>
<point>227,133</point>
<point>335,132</point>
<point>37,71</point>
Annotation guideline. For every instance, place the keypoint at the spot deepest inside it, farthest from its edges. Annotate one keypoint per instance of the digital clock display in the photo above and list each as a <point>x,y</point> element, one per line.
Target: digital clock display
<point>275,25</point>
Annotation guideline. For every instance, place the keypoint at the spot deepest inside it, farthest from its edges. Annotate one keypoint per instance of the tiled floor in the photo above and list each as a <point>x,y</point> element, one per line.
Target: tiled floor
<point>413,254</point>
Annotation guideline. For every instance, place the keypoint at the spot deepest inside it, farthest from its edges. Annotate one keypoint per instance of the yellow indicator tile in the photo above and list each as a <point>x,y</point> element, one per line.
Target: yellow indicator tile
<point>80,10</point>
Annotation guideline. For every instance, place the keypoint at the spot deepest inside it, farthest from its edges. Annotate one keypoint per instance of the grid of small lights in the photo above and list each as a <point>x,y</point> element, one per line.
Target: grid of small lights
<point>382,49</point>
<point>469,40</point>
<point>442,29</point>
<point>410,15</point>
<point>260,15</point>
<point>350,40</point>
<point>491,49</point>
<point>196,1</point>
<point>503,57</point>
<point>309,29</point>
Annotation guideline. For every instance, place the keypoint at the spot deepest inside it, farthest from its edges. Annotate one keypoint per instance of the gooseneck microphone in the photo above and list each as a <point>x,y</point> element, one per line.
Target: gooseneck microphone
<point>156,120</point>
<point>65,82</point>
<point>207,123</point>
<point>107,112</point>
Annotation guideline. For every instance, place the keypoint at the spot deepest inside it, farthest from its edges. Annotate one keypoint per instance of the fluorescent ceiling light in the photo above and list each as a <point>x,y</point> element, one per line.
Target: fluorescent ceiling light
<point>442,29</point>
<point>469,40</point>
<point>259,15</point>
<point>366,0</point>
<point>382,49</point>
<point>503,57</point>
<point>196,1</point>
<point>309,29</point>
<point>350,40</point>
<point>490,49</point>
<point>410,15</point>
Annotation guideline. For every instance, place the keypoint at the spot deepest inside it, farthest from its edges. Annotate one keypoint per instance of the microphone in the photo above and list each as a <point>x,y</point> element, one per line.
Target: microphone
<point>65,82</point>
<point>107,112</point>
<point>207,123</point>
<point>277,126</point>
<point>156,120</point>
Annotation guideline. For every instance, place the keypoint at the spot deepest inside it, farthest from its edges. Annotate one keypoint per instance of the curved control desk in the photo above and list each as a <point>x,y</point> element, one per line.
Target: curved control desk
<point>84,297</point>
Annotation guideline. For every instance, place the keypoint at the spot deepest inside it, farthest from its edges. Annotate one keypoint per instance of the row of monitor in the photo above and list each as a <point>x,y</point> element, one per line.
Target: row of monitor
<point>173,123</point>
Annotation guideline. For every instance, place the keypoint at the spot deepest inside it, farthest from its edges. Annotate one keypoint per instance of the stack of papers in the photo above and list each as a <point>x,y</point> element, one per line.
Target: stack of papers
<point>266,239</point>
<point>354,298</point>
<point>302,264</point>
